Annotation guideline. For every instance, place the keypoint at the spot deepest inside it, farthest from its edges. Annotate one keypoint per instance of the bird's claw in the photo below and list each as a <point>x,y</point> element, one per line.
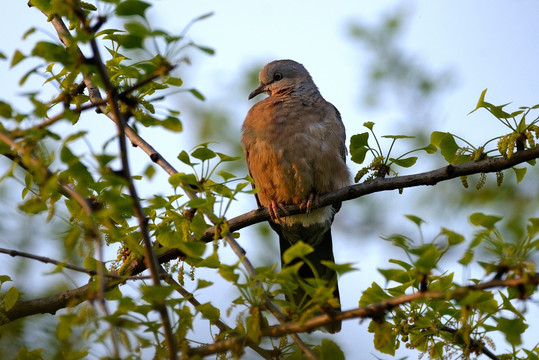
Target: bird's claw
<point>308,203</point>
<point>273,209</point>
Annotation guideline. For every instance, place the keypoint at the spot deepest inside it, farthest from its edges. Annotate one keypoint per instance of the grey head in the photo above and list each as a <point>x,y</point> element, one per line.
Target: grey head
<point>282,76</point>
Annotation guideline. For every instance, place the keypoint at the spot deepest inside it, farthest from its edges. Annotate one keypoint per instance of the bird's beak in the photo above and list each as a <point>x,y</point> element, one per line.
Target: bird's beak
<point>259,90</point>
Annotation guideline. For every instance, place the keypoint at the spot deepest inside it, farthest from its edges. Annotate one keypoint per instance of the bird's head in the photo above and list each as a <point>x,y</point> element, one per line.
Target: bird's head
<point>281,76</point>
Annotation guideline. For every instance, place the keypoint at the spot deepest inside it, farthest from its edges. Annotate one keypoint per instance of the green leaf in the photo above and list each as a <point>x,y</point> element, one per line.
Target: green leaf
<point>10,299</point>
<point>201,284</point>
<point>52,52</point>
<point>512,329</point>
<point>225,157</point>
<point>203,153</point>
<point>172,123</point>
<point>24,354</point>
<point>359,146</point>
<point>401,263</point>
<point>198,227</point>
<point>136,28</point>
<point>339,268</point>
<point>429,255</point>
<point>298,250</point>
<point>507,305</point>
<point>209,311</point>
<point>211,261</point>
<point>194,249</point>
<point>253,325</point>
<point>519,172</point>
<point>486,221</point>
<point>415,219</point>
<point>369,125</point>
<point>430,149</point>
<point>207,50</point>
<point>328,350</point>
<point>33,206</point>
<point>130,41</point>
<point>227,272</point>
<point>467,257</point>
<point>17,58</point>
<point>406,162</point>
<point>154,294</point>
<point>182,179</point>
<point>5,110</point>
<point>174,81</point>
<point>480,102</point>
<point>453,238</point>
<point>373,295</point>
<point>384,337</point>
<point>197,94</point>
<point>131,7</point>
<point>226,175</point>
<point>396,275</point>
<point>184,158</point>
<point>446,143</point>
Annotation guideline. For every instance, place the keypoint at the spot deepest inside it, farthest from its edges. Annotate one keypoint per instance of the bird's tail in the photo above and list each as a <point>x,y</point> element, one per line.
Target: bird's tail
<point>319,237</point>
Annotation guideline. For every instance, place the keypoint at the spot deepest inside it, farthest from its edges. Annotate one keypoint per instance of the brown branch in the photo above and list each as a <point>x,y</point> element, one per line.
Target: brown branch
<point>445,173</point>
<point>370,311</point>
<point>118,116</point>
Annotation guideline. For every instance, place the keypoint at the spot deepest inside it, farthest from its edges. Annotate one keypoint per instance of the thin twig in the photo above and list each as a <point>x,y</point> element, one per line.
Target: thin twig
<point>62,264</point>
<point>219,323</point>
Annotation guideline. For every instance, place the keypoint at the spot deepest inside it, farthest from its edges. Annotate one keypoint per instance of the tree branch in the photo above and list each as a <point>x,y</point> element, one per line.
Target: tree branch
<point>433,177</point>
<point>371,311</point>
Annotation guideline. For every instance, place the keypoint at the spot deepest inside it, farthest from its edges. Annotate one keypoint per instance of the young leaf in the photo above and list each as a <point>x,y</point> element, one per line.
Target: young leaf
<point>359,146</point>
<point>17,58</point>
<point>10,298</point>
<point>384,337</point>
<point>297,250</point>
<point>131,7</point>
<point>203,153</point>
<point>373,295</point>
<point>197,94</point>
<point>447,144</point>
<point>512,329</point>
<point>486,221</point>
<point>480,102</point>
<point>328,350</point>
<point>406,162</point>
<point>520,173</point>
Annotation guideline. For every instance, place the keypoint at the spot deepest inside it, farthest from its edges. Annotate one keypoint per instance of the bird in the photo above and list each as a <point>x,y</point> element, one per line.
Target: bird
<point>294,144</point>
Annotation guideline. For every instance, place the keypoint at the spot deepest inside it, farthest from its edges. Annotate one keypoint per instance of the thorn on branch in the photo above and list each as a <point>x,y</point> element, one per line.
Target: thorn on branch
<point>154,156</point>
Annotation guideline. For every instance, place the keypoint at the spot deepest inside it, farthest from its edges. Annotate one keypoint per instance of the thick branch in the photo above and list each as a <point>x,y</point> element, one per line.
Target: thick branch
<point>433,177</point>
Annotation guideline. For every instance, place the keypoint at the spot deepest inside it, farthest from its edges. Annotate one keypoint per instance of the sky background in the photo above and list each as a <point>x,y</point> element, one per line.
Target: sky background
<point>481,44</point>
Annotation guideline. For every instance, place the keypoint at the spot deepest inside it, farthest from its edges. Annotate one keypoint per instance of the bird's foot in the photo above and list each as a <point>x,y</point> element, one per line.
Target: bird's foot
<point>308,203</point>
<point>273,209</point>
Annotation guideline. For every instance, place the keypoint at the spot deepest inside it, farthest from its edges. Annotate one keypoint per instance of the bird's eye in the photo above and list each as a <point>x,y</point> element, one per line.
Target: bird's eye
<point>277,76</point>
